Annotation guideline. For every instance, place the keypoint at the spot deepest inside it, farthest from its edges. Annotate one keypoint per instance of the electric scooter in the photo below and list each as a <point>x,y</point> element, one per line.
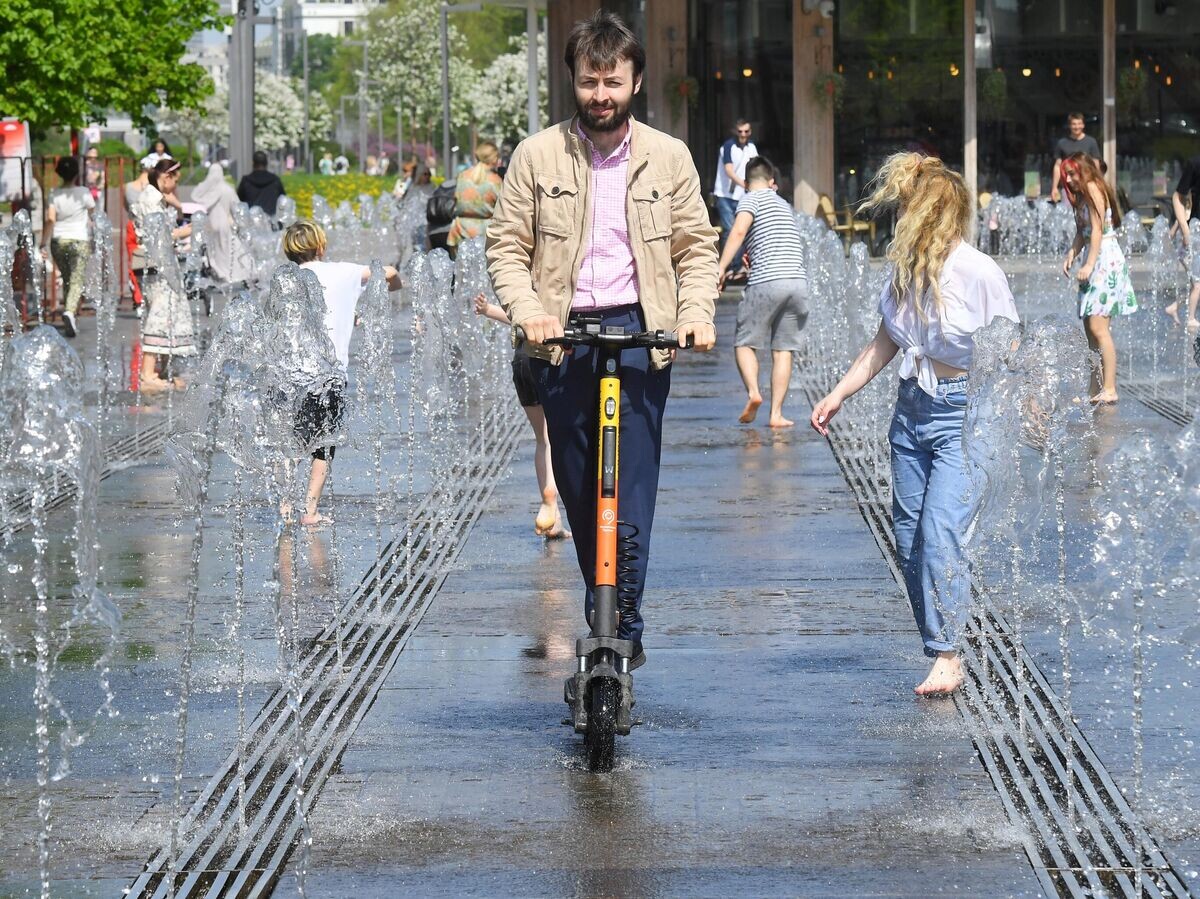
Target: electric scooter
<point>600,692</point>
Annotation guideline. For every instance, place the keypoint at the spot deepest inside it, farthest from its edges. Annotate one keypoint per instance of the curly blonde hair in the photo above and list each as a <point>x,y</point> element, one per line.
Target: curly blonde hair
<point>936,212</point>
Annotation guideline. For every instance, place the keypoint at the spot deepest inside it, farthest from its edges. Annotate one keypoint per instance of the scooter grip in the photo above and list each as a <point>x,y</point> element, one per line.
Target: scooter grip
<point>689,343</point>
<point>518,337</point>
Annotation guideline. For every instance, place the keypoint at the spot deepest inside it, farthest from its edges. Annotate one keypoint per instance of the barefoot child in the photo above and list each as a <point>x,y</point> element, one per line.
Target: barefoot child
<point>771,311</point>
<point>342,282</point>
<point>1105,288</point>
<point>547,524</point>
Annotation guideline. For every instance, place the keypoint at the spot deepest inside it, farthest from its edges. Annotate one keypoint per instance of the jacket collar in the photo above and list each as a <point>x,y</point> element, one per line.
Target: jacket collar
<point>638,151</point>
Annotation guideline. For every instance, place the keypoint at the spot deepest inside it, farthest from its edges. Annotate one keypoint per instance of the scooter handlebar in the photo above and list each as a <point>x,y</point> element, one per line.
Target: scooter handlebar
<point>572,337</point>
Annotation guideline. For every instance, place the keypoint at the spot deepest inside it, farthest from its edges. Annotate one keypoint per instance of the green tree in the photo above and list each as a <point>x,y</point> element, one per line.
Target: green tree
<point>321,58</point>
<point>69,62</point>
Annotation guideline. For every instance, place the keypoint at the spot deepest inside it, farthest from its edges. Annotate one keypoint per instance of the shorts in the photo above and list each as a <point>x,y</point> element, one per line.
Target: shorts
<point>320,415</point>
<point>772,314</point>
<point>522,376</point>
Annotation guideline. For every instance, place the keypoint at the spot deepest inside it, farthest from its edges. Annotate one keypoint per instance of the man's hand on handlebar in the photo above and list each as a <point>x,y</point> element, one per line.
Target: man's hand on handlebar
<point>703,336</point>
<point>541,328</point>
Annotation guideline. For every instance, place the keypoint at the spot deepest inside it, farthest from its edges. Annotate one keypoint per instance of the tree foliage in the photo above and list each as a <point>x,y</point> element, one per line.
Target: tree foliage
<point>278,116</point>
<point>321,58</point>
<point>500,97</point>
<point>69,62</point>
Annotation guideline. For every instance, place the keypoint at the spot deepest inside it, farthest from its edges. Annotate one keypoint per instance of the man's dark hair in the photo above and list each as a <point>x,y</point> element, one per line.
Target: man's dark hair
<point>760,169</point>
<point>740,122</point>
<point>1075,115</point>
<point>260,159</point>
<point>67,168</point>
<point>603,41</point>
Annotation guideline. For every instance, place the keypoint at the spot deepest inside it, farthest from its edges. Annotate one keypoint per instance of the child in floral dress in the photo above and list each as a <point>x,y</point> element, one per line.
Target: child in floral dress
<point>1105,288</point>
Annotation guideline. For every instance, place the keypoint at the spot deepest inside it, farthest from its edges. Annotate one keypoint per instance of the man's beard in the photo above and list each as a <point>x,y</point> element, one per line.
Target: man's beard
<point>620,115</point>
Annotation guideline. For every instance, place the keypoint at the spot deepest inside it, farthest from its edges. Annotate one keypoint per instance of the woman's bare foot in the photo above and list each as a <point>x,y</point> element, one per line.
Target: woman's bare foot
<point>1104,398</point>
<point>944,677</point>
<point>179,383</point>
<point>1172,312</point>
<point>778,421</point>
<point>154,385</point>
<point>1193,325</point>
<point>313,520</point>
<point>751,409</point>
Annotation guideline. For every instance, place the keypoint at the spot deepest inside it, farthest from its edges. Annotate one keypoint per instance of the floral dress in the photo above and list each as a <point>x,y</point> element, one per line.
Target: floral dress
<point>1109,291</point>
<point>475,196</point>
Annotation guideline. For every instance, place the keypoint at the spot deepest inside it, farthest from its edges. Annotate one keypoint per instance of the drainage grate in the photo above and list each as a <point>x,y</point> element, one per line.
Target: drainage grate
<point>1040,763</point>
<point>223,858</point>
<point>1170,409</point>
<point>142,444</point>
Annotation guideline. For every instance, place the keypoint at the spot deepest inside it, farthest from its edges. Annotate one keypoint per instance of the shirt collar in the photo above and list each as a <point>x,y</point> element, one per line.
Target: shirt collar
<point>622,148</point>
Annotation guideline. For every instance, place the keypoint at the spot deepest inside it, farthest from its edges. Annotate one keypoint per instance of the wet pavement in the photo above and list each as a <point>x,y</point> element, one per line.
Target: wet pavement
<point>781,751</point>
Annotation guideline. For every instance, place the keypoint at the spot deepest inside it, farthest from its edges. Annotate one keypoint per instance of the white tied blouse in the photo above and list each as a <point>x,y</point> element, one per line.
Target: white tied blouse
<point>974,291</point>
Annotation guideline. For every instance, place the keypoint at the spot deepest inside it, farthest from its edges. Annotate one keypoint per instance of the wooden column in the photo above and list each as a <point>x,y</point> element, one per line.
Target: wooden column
<point>1108,57</point>
<point>812,54</point>
<point>561,16</point>
<point>970,129</point>
<point>666,59</point>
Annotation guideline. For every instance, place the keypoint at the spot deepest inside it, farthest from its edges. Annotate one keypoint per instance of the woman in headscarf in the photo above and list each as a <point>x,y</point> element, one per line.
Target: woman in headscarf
<point>226,255</point>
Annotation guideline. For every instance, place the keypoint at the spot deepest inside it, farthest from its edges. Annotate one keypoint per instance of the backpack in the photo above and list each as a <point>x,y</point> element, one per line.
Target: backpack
<point>440,208</point>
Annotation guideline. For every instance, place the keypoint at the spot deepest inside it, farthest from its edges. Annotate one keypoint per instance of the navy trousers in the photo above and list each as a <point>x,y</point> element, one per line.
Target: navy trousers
<point>569,394</point>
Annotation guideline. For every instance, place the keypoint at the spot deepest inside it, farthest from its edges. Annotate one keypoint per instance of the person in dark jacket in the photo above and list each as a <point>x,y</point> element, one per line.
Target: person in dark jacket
<point>261,188</point>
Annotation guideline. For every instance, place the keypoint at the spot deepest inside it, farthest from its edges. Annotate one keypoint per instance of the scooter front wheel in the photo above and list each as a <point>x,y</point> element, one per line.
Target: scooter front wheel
<point>601,736</point>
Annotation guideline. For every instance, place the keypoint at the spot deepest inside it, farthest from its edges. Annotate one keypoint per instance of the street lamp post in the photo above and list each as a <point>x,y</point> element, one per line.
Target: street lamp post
<point>448,8</point>
<point>363,77</point>
<point>304,53</point>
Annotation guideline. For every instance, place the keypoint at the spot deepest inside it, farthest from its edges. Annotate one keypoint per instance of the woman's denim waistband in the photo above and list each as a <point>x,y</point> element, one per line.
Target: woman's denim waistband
<point>944,385</point>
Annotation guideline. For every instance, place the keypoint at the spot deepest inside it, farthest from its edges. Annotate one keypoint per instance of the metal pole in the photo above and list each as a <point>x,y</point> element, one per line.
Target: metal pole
<point>531,36</point>
<point>362,110</point>
<point>399,138</point>
<point>970,142</point>
<point>1108,54</point>
<point>304,52</point>
<point>379,122</point>
<point>241,95</point>
<point>445,89</point>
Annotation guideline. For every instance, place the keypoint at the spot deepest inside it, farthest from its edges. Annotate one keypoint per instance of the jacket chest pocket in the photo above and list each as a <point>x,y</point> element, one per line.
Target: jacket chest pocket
<point>557,200</point>
<point>653,204</point>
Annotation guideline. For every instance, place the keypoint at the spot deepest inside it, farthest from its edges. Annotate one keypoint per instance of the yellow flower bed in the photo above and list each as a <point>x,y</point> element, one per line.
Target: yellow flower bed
<point>334,188</point>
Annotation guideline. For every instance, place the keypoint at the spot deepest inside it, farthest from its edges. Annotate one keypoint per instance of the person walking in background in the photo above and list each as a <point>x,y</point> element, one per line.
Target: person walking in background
<point>226,255</point>
<point>940,290</point>
<point>167,327</point>
<point>261,188</point>
<point>771,313</point>
<point>1186,204</point>
<point>475,195</point>
<point>547,523</point>
<point>68,215</point>
<point>93,173</point>
<point>730,184</point>
<point>325,166</point>
<point>1075,142</point>
<point>1105,288</point>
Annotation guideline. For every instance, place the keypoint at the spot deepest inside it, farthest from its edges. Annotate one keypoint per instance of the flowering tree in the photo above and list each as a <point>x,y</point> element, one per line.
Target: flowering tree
<point>278,116</point>
<point>500,97</point>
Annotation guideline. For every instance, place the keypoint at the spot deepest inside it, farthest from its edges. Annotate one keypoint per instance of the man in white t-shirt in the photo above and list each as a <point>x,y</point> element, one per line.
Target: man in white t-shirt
<point>341,283</point>
<point>730,183</point>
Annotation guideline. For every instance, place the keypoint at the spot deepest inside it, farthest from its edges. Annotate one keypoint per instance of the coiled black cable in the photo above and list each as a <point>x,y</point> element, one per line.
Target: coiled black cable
<point>627,572</point>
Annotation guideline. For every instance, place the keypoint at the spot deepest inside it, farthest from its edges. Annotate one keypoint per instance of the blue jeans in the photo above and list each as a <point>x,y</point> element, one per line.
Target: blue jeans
<point>569,394</point>
<point>727,212</point>
<point>931,507</point>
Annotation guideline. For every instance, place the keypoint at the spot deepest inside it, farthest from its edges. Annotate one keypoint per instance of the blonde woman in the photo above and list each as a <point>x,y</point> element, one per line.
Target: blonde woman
<point>475,195</point>
<point>941,291</point>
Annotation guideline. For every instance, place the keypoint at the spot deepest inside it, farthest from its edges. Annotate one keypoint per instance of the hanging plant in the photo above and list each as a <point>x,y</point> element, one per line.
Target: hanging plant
<point>1131,91</point>
<point>684,92</point>
<point>829,90</point>
<point>993,94</point>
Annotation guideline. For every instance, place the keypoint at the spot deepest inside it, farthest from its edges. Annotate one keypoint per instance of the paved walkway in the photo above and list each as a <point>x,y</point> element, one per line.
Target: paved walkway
<point>782,751</point>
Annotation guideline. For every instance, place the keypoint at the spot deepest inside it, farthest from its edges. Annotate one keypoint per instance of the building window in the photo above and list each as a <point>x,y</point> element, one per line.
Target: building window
<point>347,28</point>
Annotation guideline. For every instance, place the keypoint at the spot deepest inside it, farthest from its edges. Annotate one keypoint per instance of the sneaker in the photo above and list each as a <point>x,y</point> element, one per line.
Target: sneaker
<point>69,324</point>
<point>639,656</point>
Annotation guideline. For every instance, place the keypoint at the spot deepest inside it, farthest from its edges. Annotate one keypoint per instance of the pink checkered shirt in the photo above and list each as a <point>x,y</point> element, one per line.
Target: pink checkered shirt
<point>607,275</point>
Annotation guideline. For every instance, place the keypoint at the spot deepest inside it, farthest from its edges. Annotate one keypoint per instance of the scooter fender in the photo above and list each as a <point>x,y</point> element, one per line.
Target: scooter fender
<point>575,692</point>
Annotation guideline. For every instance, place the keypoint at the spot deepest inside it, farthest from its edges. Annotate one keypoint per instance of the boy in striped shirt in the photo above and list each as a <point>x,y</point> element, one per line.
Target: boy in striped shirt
<point>772,311</point>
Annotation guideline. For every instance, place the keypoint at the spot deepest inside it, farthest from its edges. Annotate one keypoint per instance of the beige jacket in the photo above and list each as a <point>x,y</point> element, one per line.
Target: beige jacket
<point>536,239</point>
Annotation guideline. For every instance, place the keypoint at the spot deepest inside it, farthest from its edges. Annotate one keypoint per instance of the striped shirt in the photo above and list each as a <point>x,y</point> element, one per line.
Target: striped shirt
<point>607,275</point>
<point>774,240</point>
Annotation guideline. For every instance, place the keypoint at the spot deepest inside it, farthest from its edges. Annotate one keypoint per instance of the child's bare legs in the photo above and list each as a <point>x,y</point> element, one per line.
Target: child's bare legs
<point>1193,325</point>
<point>547,522</point>
<point>312,496</point>
<point>1099,338</point>
<point>781,377</point>
<point>148,377</point>
<point>747,365</point>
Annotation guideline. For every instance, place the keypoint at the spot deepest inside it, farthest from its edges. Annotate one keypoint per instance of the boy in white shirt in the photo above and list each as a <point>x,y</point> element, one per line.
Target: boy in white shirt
<point>342,282</point>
